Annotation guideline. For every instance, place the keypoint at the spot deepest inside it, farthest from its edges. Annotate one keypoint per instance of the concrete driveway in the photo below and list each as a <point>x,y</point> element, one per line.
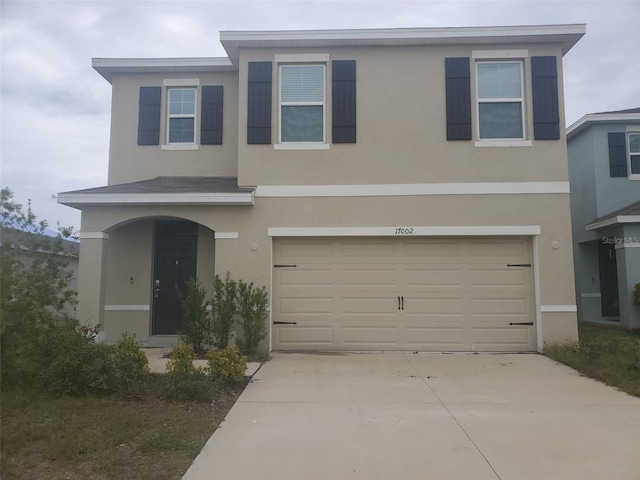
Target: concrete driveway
<point>424,416</point>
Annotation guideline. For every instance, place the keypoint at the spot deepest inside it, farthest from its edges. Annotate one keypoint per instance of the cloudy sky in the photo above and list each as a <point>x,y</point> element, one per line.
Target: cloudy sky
<point>55,108</point>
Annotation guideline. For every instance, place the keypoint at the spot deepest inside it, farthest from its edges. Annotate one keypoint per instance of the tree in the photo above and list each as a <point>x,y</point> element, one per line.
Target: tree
<point>35,288</point>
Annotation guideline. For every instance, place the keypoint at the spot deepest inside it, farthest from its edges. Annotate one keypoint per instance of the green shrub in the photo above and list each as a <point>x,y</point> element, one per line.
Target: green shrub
<point>185,381</point>
<point>196,328</point>
<point>77,365</point>
<point>226,364</point>
<point>130,363</point>
<point>224,310</point>
<point>636,294</point>
<point>252,307</point>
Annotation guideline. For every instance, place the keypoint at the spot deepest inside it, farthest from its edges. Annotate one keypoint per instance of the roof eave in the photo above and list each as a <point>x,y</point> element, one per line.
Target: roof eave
<point>567,35</point>
<point>607,222</point>
<point>592,118</point>
<point>108,67</point>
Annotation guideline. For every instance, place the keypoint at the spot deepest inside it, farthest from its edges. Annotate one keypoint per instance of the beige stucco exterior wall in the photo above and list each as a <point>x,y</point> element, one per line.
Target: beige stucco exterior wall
<point>130,162</point>
<point>401,126</point>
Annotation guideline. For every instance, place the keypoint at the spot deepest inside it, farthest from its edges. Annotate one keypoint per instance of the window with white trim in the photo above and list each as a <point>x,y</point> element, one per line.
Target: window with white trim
<point>634,154</point>
<point>302,103</point>
<point>181,121</point>
<point>500,100</point>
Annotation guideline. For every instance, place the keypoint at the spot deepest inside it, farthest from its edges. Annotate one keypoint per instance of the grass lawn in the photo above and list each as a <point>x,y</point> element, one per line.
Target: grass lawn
<point>109,437</point>
<point>605,353</point>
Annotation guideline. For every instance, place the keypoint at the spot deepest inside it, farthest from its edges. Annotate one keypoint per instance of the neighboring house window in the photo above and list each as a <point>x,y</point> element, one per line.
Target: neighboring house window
<point>302,103</point>
<point>634,153</point>
<point>181,115</point>
<point>500,105</point>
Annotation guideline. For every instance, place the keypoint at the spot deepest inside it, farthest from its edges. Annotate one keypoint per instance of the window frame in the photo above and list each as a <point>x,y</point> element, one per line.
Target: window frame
<point>501,141</point>
<point>285,61</point>
<point>171,116</point>
<point>630,133</point>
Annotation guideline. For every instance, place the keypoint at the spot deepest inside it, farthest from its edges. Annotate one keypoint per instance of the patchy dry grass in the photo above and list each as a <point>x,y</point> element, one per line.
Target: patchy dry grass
<point>96,438</point>
<point>605,353</point>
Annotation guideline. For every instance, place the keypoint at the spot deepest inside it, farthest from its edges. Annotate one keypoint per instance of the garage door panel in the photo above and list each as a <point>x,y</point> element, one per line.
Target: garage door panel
<point>369,305</point>
<point>457,294</point>
<point>306,305</point>
<point>308,335</point>
<point>306,277</point>
<point>367,276</point>
<point>499,306</point>
<point>421,277</point>
<point>436,251</point>
<point>497,277</point>
<point>364,336</point>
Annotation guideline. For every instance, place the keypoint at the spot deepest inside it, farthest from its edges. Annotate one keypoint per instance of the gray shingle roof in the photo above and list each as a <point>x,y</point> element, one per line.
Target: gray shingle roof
<point>633,209</point>
<point>628,110</point>
<point>174,185</point>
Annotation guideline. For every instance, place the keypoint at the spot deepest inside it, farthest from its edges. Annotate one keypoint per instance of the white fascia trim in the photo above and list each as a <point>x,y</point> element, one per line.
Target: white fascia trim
<point>485,188</point>
<point>94,235</point>
<point>156,198</point>
<point>108,67</point>
<point>558,308</point>
<point>404,33</point>
<point>302,57</point>
<point>405,231</point>
<point>601,117</point>
<point>181,82</point>
<point>127,308</point>
<point>613,221</point>
<point>219,235</point>
<point>500,53</point>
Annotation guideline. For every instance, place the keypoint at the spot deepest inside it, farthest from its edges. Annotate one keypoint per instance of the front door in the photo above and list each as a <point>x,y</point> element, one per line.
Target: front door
<point>608,280</point>
<point>176,245</point>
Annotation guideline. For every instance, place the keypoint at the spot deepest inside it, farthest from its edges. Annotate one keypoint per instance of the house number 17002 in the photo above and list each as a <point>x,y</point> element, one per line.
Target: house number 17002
<point>405,231</point>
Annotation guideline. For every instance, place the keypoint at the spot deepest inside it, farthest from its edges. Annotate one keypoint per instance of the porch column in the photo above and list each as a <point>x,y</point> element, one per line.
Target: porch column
<point>91,278</point>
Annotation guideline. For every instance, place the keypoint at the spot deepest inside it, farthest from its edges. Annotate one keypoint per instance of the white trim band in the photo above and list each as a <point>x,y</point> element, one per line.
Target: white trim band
<point>409,189</point>
<point>403,231</point>
<point>500,53</point>
<point>181,82</point>
<point>219,235</point>
<point>93,235</point>
<point>186,198</point>
<point>558,308</point>
<point>127,308</point>
<point>301,57</point>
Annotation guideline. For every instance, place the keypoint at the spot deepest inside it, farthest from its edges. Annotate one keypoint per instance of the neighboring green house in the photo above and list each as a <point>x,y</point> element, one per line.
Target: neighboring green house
<point>604,172</point>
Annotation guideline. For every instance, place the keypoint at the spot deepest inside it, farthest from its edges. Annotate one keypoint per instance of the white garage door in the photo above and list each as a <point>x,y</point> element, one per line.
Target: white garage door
<point>424,294</point>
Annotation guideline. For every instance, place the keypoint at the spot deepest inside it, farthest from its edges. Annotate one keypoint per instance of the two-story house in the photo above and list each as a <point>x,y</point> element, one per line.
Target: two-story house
<point>394,189</point>
<point>604,173</point>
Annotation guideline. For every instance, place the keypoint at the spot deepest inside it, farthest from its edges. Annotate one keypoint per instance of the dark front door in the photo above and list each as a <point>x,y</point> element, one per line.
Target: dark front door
<point>176,245</point>
<point>608,280</point>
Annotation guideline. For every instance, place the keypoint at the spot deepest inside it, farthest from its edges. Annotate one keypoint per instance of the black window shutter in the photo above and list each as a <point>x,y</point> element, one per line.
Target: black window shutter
<point>343,92</point>
<point>259,103</point>
<point>458,91</point>
<point>149,116</point>
<point>617,155</point>
<point>544,85</point>
<point>211,119</point>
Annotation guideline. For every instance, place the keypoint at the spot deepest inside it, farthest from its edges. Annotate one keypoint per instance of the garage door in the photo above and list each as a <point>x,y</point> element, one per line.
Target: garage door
<point>424,294</point>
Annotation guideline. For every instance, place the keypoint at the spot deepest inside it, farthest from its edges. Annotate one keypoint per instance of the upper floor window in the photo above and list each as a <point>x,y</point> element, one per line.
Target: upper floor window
<point>634,153</point>
<point>181,115</point>
<point>500,100</point>
<point>302,103</point>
